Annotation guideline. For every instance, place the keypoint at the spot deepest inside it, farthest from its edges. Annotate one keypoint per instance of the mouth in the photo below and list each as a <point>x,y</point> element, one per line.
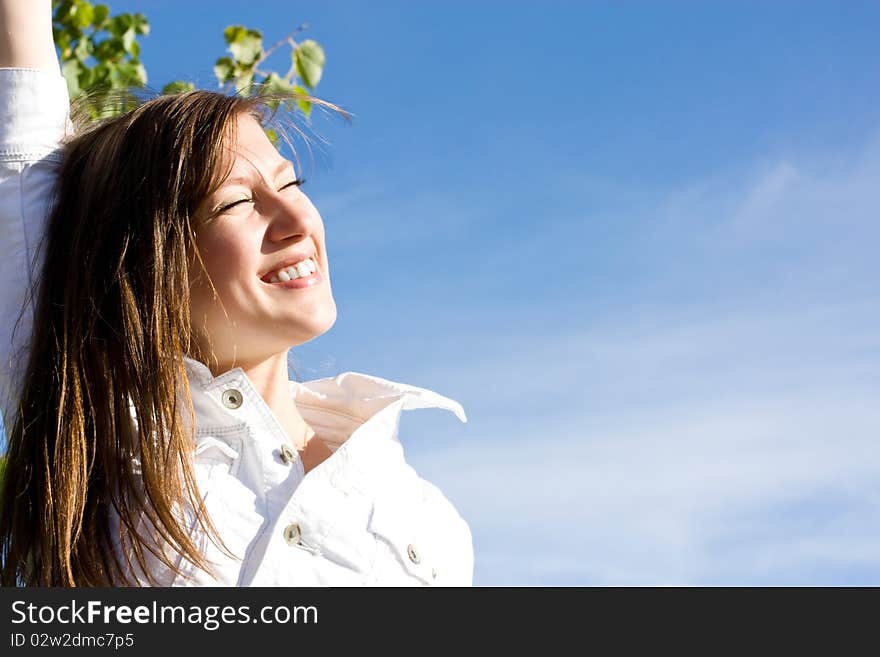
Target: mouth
<point>302,269</point>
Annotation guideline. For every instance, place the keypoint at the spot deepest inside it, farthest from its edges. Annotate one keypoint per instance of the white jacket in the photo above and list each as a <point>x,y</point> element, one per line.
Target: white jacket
<point>361,517</point>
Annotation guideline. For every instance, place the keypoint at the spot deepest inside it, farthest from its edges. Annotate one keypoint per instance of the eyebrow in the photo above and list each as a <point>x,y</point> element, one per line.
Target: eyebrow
<point>283,166</point>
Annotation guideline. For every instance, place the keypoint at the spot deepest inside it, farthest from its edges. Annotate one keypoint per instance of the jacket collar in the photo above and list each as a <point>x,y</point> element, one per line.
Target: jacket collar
<point>334,406</point>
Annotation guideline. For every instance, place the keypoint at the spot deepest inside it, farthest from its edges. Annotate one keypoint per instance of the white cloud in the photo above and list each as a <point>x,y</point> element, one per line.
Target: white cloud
<point>732,443</point>
<point>643,495</point>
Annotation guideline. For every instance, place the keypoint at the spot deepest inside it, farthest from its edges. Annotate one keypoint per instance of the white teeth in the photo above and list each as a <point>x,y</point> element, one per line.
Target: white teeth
<point>304,268</point>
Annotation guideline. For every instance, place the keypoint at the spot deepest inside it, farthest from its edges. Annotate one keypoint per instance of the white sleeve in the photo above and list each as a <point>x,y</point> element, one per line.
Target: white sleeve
<point>34,117</point>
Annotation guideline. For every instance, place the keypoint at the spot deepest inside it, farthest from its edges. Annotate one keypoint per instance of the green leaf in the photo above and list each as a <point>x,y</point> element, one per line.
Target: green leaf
<point>272,135</point>
<point>120,24</point>
<point>101,74</point>
<point>140,73</point>
<point>65,12</point>
<point>245,45</point>
<point>116,77</point>
<point>232,31</point>
<point>86,78</point>
<point>244,78</point>
<point>128,39</point>
<point>274,83</point>
<point>178,87</point>
<point>101,13</point>
<point>109,50</point>
<point>127,74</point>
<point>85,14</point>
<point>84,49</point>
<point>304,105</point>
<point>70,70</point>
<point>309,60</point>
<point>62,40</point>
<point>141,24</point>
<point>224,69</point>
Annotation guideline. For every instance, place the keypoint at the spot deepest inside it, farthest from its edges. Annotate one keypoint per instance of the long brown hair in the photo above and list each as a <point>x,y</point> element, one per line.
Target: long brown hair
<point>105,422</point>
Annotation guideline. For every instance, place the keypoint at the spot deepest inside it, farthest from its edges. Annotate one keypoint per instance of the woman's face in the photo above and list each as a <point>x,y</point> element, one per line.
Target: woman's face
<point>257,224</point>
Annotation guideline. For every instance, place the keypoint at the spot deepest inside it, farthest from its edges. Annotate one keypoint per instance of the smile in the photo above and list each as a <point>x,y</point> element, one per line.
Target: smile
<point>288,273</point>
<point>303,274</point>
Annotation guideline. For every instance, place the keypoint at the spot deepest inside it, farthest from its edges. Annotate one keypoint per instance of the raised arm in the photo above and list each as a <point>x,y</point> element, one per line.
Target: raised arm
<point>26,35</point>
<point>33,119</point>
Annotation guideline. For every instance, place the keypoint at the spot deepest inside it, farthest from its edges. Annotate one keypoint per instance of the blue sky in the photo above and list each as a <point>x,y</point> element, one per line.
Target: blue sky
<point>637,241</point>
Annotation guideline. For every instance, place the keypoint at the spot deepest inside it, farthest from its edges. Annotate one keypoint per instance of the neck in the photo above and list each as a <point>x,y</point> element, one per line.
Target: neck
<point>270,378</point>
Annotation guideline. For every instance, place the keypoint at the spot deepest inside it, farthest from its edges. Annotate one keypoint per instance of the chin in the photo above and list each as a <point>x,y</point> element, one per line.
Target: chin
<point>327,322</point>
<point>317,327</point>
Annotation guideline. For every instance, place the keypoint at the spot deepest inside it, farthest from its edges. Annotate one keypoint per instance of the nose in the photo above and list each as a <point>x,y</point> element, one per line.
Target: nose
<point>290,217</point>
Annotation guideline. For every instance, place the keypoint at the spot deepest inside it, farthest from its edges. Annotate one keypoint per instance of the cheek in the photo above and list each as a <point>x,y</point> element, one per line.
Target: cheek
<point>228,258</point>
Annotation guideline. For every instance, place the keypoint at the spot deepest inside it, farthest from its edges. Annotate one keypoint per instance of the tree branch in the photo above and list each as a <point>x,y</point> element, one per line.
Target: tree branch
<point>287,39</point>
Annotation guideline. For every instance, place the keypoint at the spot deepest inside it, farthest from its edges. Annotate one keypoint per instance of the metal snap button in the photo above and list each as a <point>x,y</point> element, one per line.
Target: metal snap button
<point>413,553</point>
<point>288,454</point>
<point>292,534</point>
<point>232,398</point>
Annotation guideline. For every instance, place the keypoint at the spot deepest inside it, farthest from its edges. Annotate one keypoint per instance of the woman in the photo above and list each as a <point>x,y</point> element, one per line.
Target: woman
<point>153,435</point>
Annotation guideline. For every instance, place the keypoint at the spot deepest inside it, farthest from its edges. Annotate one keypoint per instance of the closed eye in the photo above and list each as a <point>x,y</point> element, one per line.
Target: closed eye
<point>229,206</point>
<point>293,183</point>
